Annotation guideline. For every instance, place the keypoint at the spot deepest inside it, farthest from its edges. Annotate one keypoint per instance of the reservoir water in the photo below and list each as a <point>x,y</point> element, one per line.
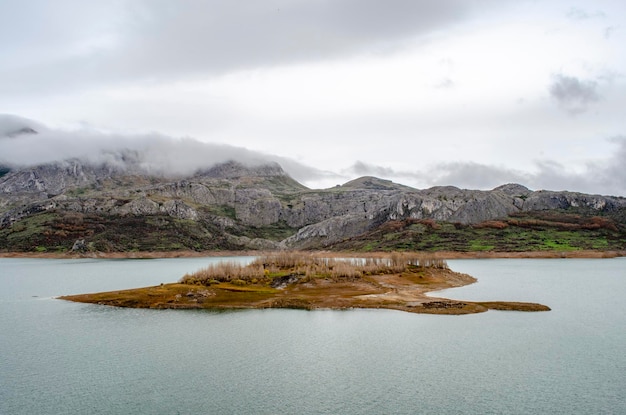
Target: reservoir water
<point>58,357</point>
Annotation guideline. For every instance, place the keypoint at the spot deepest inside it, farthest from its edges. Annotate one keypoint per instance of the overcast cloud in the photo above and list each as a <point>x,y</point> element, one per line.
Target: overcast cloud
<point>471,93</point>
<point>158,40</point>
<point>152,153</point>
<point>574,95</point>
<point>171,157</point>
<point>601,177</point>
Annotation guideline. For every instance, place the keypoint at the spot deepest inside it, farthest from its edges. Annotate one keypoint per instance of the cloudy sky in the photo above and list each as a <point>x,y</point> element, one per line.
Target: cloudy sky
<point>471,93</point>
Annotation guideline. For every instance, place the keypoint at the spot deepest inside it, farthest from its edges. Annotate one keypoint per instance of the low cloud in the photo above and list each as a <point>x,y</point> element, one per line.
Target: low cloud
<point>152,153</point>
<point>413,178</point>
<point>579,14</point>
<point>597,177</point>
<point>609,31</point>
<point>600,177</point>
<point>172,157</point>
<point>445,83</point>
<point>611,172</point>
<point>475,175</point>
<point>12,125</point>
<point>364,169</point>
<point>462,174</point>
<point>572,94</point>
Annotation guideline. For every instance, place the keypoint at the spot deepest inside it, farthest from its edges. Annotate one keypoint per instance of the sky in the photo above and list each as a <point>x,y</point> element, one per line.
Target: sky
<point>469,93</point>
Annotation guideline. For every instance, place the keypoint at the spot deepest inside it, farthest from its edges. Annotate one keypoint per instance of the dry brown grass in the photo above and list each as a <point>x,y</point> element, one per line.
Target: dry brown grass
<point>398,281</point>
<point>224,272</point>
<point>311,266</point>
<point>406,292</point>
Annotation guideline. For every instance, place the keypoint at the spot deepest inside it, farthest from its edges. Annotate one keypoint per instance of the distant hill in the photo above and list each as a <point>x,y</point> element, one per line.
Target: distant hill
<point>120,207</point>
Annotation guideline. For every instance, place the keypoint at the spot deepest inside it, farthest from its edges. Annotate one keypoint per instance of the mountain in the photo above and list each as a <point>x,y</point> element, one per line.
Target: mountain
<point>119,206</point>
<point>9,131</point>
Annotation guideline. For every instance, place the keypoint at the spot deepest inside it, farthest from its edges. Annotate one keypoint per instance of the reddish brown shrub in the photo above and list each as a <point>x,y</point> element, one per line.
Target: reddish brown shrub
<point>491,224</point>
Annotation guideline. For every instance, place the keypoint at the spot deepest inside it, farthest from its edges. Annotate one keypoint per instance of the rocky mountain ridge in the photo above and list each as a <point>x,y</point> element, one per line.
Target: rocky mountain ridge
<point>244,207</point>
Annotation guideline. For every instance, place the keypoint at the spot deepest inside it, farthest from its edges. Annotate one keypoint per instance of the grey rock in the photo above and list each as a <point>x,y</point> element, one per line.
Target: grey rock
<point>233,170</point>
<point>178,209</point>
<point>328,231</point>
<point>257,207</point>
<point>282,282</point>
<point>233,196</point>
<point>79,246</point>
<point>138,207</point>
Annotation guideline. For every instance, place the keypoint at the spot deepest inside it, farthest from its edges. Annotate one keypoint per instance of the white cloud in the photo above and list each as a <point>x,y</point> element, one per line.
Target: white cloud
<point>163,155</point>
<point>572,94</point>
<point>604,176</point>
<point>152,153</point>
<point>402,85</point>
<point>86,43</point>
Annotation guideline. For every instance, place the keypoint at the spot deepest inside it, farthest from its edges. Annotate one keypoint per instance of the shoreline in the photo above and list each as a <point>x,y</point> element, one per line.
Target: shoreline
<point>408,291</point>
<point>590,254</point>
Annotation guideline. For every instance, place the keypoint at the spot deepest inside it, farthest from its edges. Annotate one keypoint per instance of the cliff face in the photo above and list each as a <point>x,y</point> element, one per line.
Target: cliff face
<point>249,207</point>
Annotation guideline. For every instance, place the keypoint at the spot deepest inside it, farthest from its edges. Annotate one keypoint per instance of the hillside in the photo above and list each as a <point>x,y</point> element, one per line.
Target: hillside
<point>50,208</point>
<point>118,206</point>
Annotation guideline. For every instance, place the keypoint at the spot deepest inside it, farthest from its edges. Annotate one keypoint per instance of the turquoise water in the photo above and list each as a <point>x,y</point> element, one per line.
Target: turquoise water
<point>58,357</point>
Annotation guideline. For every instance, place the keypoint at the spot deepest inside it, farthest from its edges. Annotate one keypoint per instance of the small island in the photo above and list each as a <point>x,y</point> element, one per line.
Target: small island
<point>306,281</point>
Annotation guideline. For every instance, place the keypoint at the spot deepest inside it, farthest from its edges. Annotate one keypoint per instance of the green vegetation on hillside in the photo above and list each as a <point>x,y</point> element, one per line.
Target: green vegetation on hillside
<point>536,231</point>
<point>55,231</point>
<point>275,232</point>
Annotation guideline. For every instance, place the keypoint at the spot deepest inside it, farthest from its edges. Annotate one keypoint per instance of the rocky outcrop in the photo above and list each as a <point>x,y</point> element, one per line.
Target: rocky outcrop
<point>546,200</point>
<point>241,199</point>
<point>138,207</point>
<point>257,207</point>
<point>179,209</point>
<point>79,246</point>
<point>328,231</point>
<point>235,170</point>
<point>15,215</point>
<point>49,180</point>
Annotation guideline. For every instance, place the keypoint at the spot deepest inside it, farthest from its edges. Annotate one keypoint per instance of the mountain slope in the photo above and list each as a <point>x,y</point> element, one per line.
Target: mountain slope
<point>118,206</point>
